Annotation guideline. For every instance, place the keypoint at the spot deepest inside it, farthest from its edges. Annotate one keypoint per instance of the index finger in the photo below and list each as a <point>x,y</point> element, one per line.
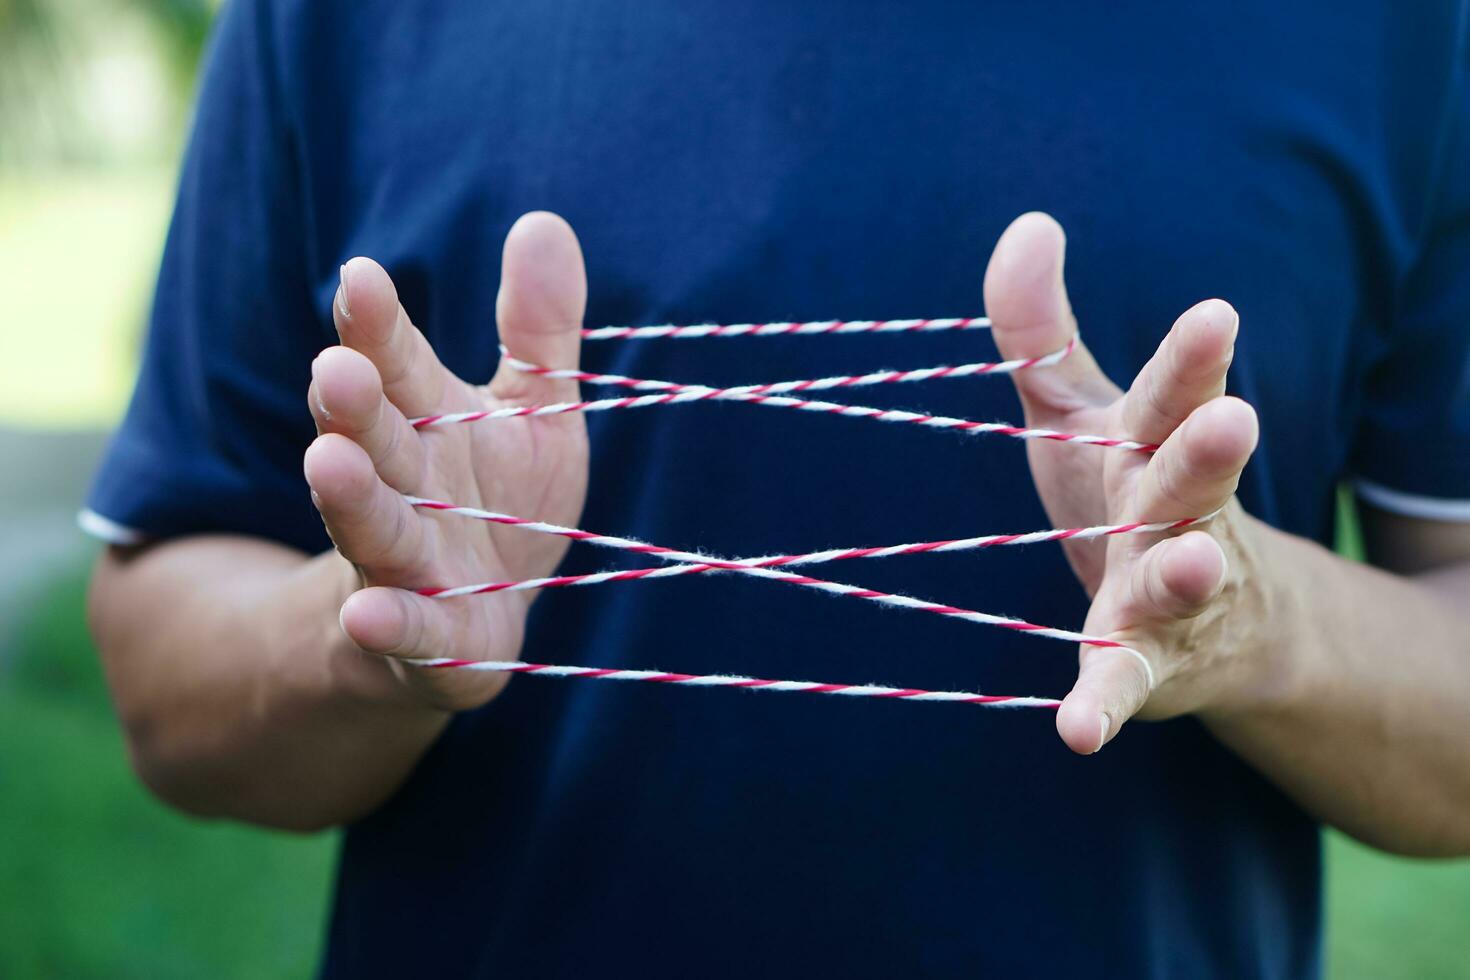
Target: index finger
<point>1197,469</point>
<point>370,320</point>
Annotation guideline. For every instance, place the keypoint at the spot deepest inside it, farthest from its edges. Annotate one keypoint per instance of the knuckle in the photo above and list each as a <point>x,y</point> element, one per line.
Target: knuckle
<point>1171,483</point>
<point>398,540</point>
<point>412,639</point>
<point>344,509</point>
<point>1156,594</point>
<point>1134,692</point>
<point>1192,464</point>
<point>1156,403</point>
<point>387,438</point>
<point>399,360</point>
<point>380,539</point>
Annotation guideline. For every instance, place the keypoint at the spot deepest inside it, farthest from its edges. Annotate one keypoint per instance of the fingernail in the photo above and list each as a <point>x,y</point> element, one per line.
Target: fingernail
<point>321,405</point>
<point>1103,734</point>
<point>342,292</point>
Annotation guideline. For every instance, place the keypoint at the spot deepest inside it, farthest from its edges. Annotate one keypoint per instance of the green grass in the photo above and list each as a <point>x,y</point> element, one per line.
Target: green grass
<point>98,880</point>
<point>1389,917</point>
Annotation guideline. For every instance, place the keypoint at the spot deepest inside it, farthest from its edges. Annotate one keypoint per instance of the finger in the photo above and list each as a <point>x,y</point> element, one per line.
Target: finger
<point>1186,371</point>
<point>543,296</point>
<point>1175,579</point>
<point>347,398</point>
<point>1111,687</point>
<point>370,320</point>
<point>318,413</point>
<point>398,623</point>
<point>1026,299</point>
<point>1197,468</point>
<point>371,524</point>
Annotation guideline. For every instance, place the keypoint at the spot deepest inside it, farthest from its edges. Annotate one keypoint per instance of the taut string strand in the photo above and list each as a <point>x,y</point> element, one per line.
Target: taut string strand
<point>781,395</point>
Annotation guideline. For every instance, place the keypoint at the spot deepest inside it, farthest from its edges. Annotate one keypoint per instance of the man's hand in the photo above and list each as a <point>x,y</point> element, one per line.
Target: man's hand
<point>367,455</point>
<point>1187,603</point>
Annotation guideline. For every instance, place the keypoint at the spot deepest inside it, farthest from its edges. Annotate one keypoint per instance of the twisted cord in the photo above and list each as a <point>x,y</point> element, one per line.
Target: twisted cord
<point>779,395</point>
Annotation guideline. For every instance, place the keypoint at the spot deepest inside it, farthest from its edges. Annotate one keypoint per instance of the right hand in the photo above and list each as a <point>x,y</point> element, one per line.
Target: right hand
<point>366,455</point>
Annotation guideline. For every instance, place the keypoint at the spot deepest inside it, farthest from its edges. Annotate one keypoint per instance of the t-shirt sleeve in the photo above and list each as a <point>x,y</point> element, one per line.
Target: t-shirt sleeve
<point>213,438</point>
<point>1412,449</point>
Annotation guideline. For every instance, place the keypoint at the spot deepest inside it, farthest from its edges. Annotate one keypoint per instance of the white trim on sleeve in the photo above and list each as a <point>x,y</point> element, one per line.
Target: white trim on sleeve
<point>1412,504</point>
<point>106,529</point>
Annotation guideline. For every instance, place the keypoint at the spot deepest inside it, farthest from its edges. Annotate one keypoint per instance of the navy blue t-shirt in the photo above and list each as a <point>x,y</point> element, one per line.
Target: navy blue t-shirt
<point>771,161</point>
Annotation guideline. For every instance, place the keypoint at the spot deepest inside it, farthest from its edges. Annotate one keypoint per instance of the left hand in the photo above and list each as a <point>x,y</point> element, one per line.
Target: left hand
<point>1188,602</point>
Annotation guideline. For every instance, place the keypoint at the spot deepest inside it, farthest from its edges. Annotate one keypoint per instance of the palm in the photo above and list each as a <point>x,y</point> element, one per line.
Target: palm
<point>1079,487</point>
<point>532,466</point>
<point>370,456</point>
<point>1147,592</point>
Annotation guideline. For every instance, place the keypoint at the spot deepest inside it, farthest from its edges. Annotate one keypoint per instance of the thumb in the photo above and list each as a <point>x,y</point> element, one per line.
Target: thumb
<point>543,296</point>
<point>1026,299</point>
<point>1111,688</point>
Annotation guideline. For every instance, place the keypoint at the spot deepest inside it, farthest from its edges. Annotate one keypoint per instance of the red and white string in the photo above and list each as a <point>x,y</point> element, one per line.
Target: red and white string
<point>672,332</point>
<point>698,563</point>
<point>772,395</point>
<point>778,394</point>
<point>748,683</point>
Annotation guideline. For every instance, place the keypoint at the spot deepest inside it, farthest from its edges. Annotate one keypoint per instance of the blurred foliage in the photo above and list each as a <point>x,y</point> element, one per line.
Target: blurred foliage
<point>97,879</point>
<point>89,81</point>
<point>94,97</point>
<point>74,318</point>
<point>183,25</point>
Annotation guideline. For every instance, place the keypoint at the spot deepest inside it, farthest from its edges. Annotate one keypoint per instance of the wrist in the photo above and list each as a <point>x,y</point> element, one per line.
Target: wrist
<point>1266,622</point>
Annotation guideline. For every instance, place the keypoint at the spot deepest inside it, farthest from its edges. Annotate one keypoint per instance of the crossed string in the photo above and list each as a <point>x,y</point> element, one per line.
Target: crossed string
<point>783,395</point>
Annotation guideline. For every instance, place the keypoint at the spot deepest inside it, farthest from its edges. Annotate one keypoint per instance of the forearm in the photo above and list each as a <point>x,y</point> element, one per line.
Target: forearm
<point>1363,711</point>
<point>239,695</point>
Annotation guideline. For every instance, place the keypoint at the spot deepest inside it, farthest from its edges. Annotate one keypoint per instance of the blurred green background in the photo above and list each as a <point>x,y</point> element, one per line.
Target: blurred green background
<point>97,879</point>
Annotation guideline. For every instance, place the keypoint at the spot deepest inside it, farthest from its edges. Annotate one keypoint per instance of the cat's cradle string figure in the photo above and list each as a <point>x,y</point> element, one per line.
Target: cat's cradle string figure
<point>790,395</point>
